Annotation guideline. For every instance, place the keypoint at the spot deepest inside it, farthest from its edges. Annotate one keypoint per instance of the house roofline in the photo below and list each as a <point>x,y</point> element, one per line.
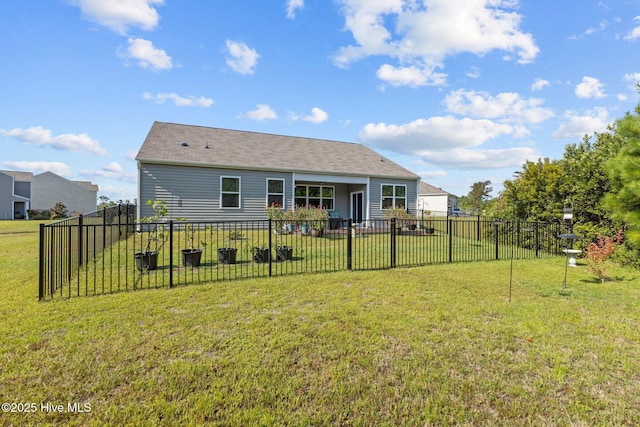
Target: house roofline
<point>265,169</point>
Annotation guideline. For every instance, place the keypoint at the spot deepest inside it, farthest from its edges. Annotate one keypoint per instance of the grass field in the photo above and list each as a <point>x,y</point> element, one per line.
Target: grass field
<point>438,345</point>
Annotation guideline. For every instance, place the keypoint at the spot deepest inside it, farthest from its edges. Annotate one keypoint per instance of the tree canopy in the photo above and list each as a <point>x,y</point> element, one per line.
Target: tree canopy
<point>623,199</point>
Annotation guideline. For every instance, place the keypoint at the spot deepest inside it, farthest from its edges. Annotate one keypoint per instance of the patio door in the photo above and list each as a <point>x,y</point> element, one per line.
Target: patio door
<point>357,206</point>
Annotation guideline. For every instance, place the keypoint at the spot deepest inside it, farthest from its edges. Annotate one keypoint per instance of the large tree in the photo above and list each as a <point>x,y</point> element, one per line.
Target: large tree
<point>623,201</point>
<point>535,193</point>
<point>479,193</point>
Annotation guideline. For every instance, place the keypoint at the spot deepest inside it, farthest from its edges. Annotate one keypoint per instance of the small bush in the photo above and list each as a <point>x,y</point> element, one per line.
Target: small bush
<point>598,253</point>
<point>39,214</point>
<point>59,211</point>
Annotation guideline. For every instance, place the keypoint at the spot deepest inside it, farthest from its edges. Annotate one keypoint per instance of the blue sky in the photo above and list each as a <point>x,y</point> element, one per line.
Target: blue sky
<point>458,91</point>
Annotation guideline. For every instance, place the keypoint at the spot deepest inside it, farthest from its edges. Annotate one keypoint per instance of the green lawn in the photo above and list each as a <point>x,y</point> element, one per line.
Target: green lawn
<point>437,345</point>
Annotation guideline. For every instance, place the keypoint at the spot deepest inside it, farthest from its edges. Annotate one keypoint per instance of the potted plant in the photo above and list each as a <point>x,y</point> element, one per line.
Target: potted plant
<point>277,215</point>
<point>227,253</point>
<point>284,253</point>
<point>289,221</point>
<point>302,215</point>
<point>261,254</point>
<point>401,216</point>
<point>191,256</point>
<point>148,259</point>
<point>319,218</point>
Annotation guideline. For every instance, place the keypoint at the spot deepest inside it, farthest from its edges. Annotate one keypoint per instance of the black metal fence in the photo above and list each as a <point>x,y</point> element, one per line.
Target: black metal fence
<point>110,252</point>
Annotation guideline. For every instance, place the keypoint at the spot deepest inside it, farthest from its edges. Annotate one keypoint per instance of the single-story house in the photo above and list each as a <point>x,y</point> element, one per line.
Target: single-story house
<point>435,201</point>
<point>15,194</point>
<point>24,191</point>
<point>49,189</point>
<point>206,173</point>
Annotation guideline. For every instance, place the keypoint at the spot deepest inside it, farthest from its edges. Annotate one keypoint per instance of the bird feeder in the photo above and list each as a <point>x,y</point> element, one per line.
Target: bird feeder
<point>567,212</point>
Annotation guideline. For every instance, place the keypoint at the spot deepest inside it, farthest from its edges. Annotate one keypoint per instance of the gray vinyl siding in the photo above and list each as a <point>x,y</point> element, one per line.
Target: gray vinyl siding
<point>194,192</point>
<point>376,194</point>
<point>6,196</point>
<point>22,189</point>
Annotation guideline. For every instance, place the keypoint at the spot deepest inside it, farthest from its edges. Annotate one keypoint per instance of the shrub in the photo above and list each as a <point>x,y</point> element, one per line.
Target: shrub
<point>597,253</point>
<point>58,211</point>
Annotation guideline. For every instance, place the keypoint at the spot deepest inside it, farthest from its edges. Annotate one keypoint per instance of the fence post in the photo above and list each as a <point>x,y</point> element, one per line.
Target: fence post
<point>497,244</point>
<point>349,245</point>
<point>171,253</point>
<point>104,229</point>
<point>450,231</point>
<point>393,242</point>
<point>270,248</point>
<point>80,233</point>
<point>41,265</point>
<point>537,239</point>
<point>478,228</point>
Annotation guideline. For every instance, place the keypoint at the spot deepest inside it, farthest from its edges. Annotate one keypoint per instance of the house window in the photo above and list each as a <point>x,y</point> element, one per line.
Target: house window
<point>394,196</point>
<point>315,195</point>
<point>275,192</point>
<point>230,192</point>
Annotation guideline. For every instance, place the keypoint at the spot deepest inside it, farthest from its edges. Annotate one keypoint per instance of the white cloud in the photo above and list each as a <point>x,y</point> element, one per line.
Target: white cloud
<point>242,58</point>
<point>590,88</point>
<point>119,15</point>
<point>508,106</point>
<point>421,35</point>
<point>449,142</point>
<point>39,167</point>
<point>431,175</point>
<point>262,112</point>
<point>473,72</point>
<point>435,133</point>
<point>632,79</point>
<point>539,84</point>
<point>635,33</point>
<point>467,159</point>
<point>577,126</point>
<point>40,136</point>
<point>131,155</point>
<point>112,170</point>
<point>147,55</point>
<point>317,116</point>
<point>179,101</point>
<point>292,6</point>
<point>412,76</point>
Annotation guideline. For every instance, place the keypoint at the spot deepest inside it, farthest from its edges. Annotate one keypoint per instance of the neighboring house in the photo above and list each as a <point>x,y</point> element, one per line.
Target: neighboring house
<point>218,174</point>
<point>15,194</point>
<point>49,189</point>
<point>436,201</point>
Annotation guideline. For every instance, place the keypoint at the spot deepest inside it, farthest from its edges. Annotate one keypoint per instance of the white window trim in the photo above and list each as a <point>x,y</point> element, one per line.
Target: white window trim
<point>382,196</point>
<point>333,198</point>
<point>239,192</point>
<point>284,199</point>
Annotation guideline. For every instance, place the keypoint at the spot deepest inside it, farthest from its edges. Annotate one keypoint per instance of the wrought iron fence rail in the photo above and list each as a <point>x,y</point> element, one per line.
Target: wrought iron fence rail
<point>110,252</point>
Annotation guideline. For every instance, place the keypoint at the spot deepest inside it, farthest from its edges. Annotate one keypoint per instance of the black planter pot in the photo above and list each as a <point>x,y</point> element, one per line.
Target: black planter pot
<point>261,255</point>
<point>284,253</point>
<point>429,230</point>
<point>412,227</point>
<point>146,260</point>
<point>191,257</point>
<point>227,255</point>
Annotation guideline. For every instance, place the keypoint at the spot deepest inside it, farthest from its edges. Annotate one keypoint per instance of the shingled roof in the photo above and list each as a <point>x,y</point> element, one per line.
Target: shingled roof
<point>19,176</point>
<point>170,143</point>
<point>428,189</point>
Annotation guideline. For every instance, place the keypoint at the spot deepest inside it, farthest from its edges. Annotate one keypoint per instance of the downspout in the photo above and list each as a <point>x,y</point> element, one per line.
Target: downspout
<point>368,198</point>
<point>293,191</point>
